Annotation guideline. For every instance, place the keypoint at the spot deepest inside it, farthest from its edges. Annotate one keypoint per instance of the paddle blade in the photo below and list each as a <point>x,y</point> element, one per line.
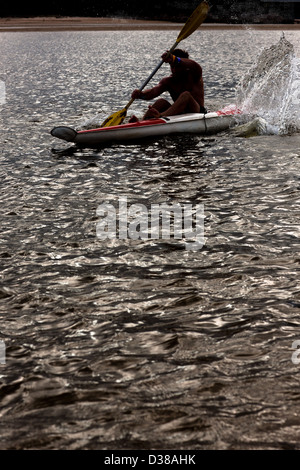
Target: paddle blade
<point>195,20</point>
<point>115,119</point>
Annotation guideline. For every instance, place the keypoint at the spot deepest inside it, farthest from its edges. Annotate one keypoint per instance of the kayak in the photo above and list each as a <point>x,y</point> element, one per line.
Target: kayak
<point>193,123</point>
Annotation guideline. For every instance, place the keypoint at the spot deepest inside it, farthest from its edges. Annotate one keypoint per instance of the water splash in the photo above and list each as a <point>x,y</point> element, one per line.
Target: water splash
<point>271,89</point>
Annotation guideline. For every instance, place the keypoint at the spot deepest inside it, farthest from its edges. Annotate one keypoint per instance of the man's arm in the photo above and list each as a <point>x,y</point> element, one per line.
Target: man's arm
<point>151,93</point>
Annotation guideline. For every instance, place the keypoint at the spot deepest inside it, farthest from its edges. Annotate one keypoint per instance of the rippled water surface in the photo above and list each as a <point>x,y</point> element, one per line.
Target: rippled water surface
<point>134,344</point>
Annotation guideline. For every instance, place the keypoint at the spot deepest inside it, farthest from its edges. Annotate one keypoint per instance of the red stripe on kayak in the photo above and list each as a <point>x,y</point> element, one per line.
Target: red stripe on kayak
<point>229,110</point>
<point>149,122</point>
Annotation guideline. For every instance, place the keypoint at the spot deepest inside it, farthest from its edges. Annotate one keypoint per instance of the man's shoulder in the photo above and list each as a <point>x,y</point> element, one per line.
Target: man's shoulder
<point>192,63</point>
<point>193,66</point>
<point>166,81</point>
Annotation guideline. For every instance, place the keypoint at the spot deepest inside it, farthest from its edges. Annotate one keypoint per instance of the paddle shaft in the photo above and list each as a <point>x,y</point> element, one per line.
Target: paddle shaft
<point>152,74</point>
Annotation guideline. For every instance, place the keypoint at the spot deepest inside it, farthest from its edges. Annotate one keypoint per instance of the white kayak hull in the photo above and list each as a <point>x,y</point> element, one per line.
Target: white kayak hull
<point>210,123</point>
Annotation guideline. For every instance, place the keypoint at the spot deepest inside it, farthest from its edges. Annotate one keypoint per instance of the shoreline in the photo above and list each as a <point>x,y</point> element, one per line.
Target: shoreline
<point>48,24</point>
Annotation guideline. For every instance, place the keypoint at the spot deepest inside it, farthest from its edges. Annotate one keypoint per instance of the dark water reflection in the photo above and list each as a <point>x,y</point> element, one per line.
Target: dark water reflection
<point>142,344</point>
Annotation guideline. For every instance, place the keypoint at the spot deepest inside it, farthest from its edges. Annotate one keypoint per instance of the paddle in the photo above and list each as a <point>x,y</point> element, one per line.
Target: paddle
<point>193,23</point>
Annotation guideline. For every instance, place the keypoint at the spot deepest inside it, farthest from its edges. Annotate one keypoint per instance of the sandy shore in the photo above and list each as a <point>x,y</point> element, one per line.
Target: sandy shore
<point>112,24</point>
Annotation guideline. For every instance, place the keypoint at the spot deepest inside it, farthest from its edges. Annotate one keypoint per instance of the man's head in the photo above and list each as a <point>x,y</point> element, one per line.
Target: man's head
<point>182,55</point>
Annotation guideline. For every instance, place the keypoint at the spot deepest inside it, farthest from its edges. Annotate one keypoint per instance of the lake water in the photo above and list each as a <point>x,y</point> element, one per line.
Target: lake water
<point>142,344</point>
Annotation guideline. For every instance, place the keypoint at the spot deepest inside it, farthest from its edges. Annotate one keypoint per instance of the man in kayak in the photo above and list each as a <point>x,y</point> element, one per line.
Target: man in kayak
<point>185,86</point>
